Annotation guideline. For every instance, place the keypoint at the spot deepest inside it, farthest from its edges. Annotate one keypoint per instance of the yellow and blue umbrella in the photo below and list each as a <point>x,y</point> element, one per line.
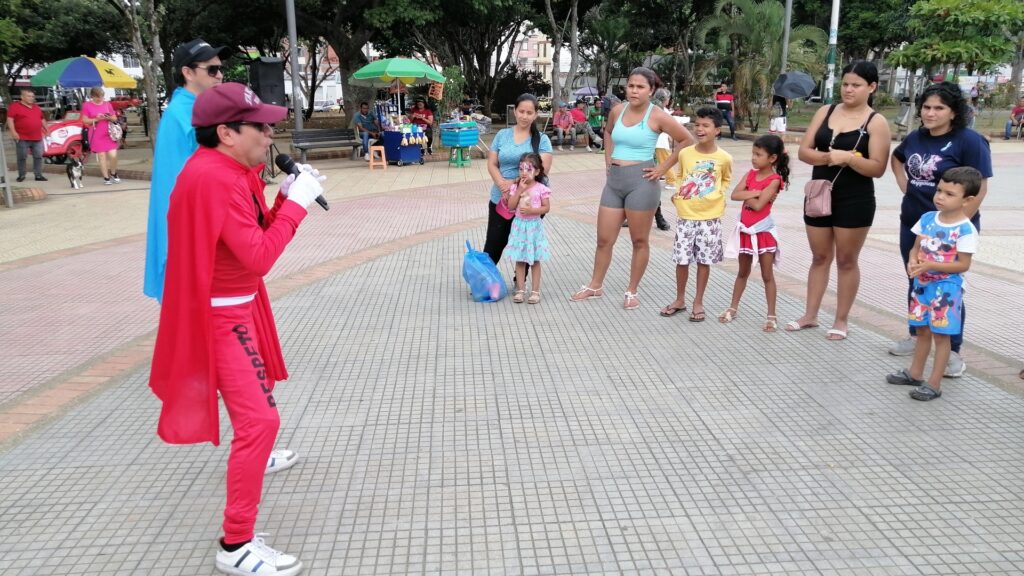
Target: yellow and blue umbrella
<point>83,72</point>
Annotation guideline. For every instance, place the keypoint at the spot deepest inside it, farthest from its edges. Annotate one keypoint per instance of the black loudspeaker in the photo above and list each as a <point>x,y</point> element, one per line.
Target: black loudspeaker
<point>266,77</point>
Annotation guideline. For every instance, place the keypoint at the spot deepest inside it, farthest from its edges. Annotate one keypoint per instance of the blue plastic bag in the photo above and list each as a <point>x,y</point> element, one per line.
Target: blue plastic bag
<point>483,277</point>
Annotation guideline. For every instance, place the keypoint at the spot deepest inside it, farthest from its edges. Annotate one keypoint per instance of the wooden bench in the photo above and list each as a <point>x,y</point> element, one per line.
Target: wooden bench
<point>303,140</point>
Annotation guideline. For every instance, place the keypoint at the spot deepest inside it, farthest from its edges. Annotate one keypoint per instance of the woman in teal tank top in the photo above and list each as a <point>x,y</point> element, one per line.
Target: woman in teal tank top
<point>631,192</point>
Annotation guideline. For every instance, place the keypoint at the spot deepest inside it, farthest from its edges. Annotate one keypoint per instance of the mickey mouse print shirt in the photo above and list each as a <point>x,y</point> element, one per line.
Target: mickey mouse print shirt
<point>942,242</point>
<point>925,158</point>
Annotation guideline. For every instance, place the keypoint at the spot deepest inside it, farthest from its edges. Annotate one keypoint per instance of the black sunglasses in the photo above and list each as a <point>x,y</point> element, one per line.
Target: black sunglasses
<point>212,69</point>
<point>261,126</point>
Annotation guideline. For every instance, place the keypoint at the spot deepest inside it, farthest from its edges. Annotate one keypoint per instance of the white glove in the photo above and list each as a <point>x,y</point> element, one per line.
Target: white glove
<point>304,190</point>
<point>286,185</point>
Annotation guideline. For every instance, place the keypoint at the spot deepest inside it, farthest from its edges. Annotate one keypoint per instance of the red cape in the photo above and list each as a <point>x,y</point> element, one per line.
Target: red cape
<point>183,374</point>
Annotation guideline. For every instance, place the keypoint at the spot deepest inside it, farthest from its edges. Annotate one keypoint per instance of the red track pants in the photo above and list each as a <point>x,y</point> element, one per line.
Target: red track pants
<point>254,418</point>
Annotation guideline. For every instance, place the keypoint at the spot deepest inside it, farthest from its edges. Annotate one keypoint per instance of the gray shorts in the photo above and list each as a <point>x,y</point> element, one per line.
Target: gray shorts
<point>627,188</point>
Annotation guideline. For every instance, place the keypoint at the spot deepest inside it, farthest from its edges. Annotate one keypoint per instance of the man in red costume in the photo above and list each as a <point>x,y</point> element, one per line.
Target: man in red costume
<point>217,331</point>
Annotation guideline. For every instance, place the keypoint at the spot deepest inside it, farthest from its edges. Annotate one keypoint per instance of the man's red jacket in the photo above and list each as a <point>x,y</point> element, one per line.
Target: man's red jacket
<point>183,374</point>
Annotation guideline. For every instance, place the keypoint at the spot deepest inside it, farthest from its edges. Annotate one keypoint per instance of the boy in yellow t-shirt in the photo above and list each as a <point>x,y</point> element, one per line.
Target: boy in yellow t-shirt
<point>700,204</point>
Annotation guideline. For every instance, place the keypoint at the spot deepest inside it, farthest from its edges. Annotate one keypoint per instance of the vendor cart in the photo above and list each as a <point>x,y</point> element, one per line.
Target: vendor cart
<point>460,137</point>
<point>398,154</point>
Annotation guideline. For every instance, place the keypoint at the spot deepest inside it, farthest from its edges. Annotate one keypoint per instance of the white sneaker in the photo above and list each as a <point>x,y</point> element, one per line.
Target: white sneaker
<point>955,366</point>
<point>116,179</point>
<point>281,460</point>
<point>572,147</point>
<point>366,157</point>
<point>561,148</point>
<point>589,149</point>
<point>257,558</point>
<point>903,347</point>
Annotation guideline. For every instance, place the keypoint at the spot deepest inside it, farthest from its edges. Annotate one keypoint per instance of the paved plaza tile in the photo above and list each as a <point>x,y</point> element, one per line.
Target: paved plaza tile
<point>441,436</point>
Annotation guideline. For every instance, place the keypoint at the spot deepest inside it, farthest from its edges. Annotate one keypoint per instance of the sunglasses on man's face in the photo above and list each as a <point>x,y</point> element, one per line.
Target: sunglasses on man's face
<point>262,127</point>
<point>212,69</point>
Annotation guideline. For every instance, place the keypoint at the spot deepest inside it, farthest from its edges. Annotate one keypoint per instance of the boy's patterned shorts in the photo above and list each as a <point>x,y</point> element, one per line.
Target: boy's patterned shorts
<point>937,305</point>
<point>698,242</point>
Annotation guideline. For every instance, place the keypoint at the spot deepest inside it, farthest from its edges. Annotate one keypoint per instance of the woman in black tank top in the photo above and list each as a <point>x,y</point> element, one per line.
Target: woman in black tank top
<point>848,144</point>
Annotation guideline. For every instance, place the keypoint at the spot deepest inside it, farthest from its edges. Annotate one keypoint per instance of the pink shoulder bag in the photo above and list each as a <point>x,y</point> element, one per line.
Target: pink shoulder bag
<point>818,193</point>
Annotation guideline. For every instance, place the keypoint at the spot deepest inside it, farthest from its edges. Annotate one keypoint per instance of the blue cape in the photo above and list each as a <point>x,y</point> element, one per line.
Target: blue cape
<point>175,142</point>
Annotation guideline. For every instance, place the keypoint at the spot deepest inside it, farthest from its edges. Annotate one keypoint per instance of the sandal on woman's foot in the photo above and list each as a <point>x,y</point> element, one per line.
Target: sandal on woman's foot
<point>586,293</point>
<point>697,316</point>
<point>631,302</point>
<point>835,335</point>
<point>671,310</point>
<point>519,296</point>
<point>771,324</point>
<point>534,297</point>
<point>794,326</point>
<point>729,315</point>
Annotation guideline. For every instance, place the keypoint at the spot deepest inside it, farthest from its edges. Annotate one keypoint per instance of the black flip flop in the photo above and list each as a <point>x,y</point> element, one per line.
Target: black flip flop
<point>698,316</point>
<point>924,393</point>
<point>672,311</point>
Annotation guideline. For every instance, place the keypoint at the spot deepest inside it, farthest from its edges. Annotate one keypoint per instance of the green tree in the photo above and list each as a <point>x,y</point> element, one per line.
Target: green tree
<point>975,34</point>
<point>346,25</point>
<point>604,42</point>
<point>248,26</point>
<point>670,26</point>
<point>749,33</point>
<point>479,36</point>
<point>872,27</point>
<point>36,32</point>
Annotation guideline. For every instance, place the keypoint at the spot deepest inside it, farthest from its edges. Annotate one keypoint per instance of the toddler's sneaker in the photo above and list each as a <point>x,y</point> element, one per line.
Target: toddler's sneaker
<point>107,182</point>
<point>281,460</point>
<point>115,178</point>
<point>257,558</point>
<point>904,347</point>
<point>955,367</point>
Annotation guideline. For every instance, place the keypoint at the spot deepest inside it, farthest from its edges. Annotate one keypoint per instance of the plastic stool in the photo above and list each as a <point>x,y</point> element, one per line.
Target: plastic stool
<point>460,156</point>
<point>377,157</point>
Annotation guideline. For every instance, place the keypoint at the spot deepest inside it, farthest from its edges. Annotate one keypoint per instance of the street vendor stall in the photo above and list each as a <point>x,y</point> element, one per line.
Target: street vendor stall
<point>460,137</point>
<point>402,141</point>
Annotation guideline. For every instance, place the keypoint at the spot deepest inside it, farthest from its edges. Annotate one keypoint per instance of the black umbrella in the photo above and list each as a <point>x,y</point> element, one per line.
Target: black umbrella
<point>794,85</point>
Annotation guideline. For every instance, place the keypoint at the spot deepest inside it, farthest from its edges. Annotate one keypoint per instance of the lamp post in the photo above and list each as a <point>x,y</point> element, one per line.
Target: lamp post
<point>785,35</point>
<point>293,49</point>
<point>833,37</point>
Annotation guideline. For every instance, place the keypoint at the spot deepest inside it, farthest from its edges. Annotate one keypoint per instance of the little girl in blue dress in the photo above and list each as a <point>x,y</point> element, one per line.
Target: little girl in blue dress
<point>527,242</point>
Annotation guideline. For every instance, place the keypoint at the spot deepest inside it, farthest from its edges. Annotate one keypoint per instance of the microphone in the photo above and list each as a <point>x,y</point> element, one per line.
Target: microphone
<point>286,164</point>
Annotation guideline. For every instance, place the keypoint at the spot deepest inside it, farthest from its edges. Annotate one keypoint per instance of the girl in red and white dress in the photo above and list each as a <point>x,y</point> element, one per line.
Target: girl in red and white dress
<point>755,233</point>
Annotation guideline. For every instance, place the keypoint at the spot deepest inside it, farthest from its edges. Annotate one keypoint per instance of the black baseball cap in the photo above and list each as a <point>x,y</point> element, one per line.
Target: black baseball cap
<point>197,50</point>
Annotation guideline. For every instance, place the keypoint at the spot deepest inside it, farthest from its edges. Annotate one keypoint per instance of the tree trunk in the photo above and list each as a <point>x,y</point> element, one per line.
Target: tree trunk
<point>348,48</point>
<point>1018,67</point>
<point>557,34</point>
<point>574,46</point>
<point>139,15</point>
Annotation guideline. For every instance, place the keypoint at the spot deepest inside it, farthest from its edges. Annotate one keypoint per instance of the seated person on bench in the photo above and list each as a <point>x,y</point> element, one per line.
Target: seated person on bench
<point>1016,119</point>
<point>367,126</point>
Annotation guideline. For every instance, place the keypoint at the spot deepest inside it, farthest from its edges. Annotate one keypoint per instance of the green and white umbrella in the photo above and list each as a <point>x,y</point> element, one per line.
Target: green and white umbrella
<point>384,73</point>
